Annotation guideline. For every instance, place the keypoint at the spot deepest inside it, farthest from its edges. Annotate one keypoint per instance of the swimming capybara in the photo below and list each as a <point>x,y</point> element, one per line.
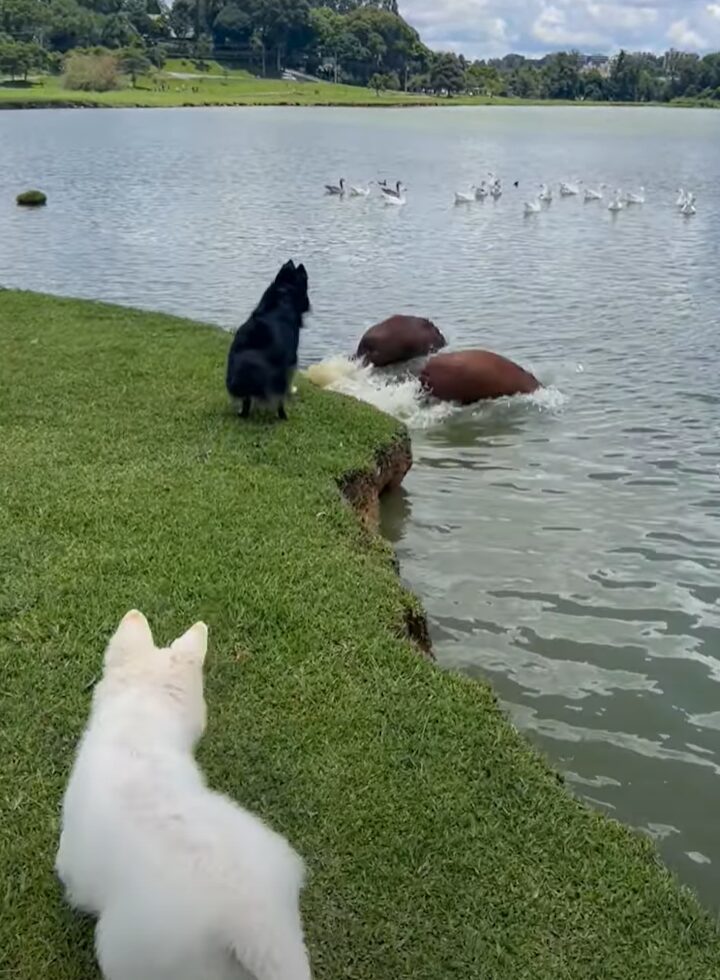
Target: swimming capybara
<point>399,338</point>
<point>470,375</point>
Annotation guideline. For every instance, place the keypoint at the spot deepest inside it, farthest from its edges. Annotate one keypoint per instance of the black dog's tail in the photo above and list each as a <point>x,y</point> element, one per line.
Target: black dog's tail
<point>248,375</point>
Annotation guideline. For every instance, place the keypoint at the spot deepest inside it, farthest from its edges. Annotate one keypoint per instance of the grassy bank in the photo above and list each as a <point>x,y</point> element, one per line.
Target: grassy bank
<point>440,845</point>
<point>238,88</point>
<point>166,90</point>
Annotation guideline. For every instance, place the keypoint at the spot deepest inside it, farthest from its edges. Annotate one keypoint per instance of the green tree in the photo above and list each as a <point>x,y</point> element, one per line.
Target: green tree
<point>19,58</point>
<point>71,26</point>
<point>329,29</point>
<point>447,74</point>
<point>134,62</point>
<point>596,87</point>
<point>648,87</point>
<point>286,25</point>
<point>388,82</point>
<point>257,49</point>
<point>117,31</point>
<point>561,75</point>
<point>710,71</point>
<point>202,50</point>
<point>233,25</point>
<point>483,78</point>
<point>383,42</point>
<point>157,55</point>
<point>525,83</point>
<point>377,82</point>
<point>416,60</point>
<point>22,20</point>
<point>624,77</point>
<point>687,75</point>
<point>182,18</point>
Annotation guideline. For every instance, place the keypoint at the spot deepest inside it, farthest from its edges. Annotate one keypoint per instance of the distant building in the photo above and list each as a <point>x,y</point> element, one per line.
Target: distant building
<point>600,63</point>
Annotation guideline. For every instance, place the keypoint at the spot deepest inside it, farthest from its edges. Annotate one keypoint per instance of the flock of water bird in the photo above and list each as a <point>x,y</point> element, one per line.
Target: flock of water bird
<point>390,195</point>
<point>619,200</point>
<point>492,187</point>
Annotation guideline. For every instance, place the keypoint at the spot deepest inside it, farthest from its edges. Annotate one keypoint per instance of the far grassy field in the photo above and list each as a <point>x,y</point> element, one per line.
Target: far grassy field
<point>217,87</point>
<point>440,845</point>
<point>237,88</point>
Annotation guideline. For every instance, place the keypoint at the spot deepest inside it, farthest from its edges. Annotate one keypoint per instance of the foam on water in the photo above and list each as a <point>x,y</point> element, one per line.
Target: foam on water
<point>548,399</point>
<point>403,397</point>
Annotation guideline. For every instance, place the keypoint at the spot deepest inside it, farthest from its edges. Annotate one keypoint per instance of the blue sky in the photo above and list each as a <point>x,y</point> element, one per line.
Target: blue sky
<point>488,28</point>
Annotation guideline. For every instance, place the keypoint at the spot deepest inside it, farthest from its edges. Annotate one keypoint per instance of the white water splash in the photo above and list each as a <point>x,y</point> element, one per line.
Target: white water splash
<point>403,397</point>
<point>549,399</point>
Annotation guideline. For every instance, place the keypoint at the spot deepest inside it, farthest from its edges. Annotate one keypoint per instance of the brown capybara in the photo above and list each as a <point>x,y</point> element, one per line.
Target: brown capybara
<point>399,338</point>
<point>470,375</point>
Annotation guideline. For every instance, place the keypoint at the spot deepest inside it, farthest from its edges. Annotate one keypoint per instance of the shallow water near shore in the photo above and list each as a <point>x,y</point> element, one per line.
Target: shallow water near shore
<point>566,545</point>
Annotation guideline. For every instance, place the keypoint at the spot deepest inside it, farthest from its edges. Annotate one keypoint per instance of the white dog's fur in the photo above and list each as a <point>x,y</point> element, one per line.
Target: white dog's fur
<point>185,884</point>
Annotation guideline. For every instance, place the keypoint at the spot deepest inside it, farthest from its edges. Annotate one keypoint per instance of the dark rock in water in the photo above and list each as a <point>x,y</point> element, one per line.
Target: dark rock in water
<point>31,199</point>
<point>399,338</point>
<point>471,375</point>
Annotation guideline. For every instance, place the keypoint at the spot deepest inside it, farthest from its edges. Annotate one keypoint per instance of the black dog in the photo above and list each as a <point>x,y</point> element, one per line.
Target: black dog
<point>263,354</point>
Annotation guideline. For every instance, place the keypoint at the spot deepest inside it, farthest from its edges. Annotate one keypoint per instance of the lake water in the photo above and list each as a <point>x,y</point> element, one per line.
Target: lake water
<point>567,546</point>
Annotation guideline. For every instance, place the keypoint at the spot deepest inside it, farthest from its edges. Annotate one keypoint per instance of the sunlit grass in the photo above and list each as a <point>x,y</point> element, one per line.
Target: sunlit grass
<point>439,844</point>
<point>237,88</point>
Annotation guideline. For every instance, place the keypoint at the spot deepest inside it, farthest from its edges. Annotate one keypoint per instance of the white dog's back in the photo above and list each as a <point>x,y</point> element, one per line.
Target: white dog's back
<point>186,885</point>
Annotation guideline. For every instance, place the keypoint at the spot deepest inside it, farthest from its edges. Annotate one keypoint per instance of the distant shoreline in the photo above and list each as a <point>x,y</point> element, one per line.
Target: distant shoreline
<point>429,103</point>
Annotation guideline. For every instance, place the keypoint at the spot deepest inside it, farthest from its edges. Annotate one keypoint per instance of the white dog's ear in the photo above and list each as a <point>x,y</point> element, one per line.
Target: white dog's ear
<point>132,638</point>
<point>193,644</point>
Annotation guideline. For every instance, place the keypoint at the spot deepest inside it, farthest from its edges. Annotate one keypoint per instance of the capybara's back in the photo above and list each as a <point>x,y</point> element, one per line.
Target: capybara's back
<point>472,375</point>
<point>399,338</point>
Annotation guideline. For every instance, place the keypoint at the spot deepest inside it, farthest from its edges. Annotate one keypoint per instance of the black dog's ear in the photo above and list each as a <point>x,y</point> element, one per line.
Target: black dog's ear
<point>302,272</point>
<point>286,273</point>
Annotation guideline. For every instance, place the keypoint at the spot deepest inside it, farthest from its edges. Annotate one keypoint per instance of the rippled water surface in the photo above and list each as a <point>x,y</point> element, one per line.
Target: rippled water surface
<point>567,547</point>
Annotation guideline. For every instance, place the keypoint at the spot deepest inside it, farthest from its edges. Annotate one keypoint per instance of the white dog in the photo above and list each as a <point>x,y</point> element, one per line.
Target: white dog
<point>185,884</point>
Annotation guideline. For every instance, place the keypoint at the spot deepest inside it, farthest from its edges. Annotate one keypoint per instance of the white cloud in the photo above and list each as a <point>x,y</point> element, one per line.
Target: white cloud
<point>617,15</point>
<point>551,28</point>
<point>488,28</point>
<point>497,28</point>
<point>683,36</point>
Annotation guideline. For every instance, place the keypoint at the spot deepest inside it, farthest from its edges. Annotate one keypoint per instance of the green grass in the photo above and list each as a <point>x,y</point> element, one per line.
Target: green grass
<point>439,844</point>
<point>238,87</point>
<point>210,67</point>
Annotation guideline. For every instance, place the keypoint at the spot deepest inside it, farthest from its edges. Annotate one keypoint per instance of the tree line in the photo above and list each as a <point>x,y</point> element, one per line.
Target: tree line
<point>361,42</point>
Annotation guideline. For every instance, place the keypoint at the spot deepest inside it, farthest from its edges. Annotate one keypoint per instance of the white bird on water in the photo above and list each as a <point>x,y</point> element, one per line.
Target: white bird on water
<point>688,208</point>
<point>465,197</point>
<point>593,194</point>
<point>545,194</point>
<point>631,198</point>
<point>568,190</point>
<point>395,198</point>
<point>533,207</point>
<point>616,204</point>
<point>358,190</point>
<point>481,192</point>
<point>682,198</point>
